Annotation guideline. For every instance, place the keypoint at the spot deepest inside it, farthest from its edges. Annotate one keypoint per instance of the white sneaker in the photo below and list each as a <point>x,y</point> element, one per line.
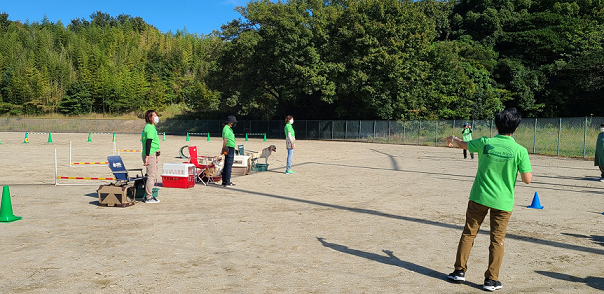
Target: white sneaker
<point>152,200</point>
<point>602,180</point>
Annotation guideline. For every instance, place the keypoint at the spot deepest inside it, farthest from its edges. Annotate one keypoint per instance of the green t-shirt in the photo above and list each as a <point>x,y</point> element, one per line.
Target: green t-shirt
<point>466,135</point>
<point>150,132</point>
<point>499,160</point>
<point>289,128</point>
<point>227,133</point>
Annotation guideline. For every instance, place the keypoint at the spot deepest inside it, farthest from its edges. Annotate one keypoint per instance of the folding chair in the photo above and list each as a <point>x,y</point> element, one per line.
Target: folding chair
<point>240,150</point>
<point>120,172</point>
<point>117,194</point>
<point>206,172</point>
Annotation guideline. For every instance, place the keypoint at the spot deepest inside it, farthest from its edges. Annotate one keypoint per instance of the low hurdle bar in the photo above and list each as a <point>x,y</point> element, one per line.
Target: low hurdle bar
<point>57,177</point>
<point>83,163</point>
<point>128,151</point>
<point>255,134</point>
<point>198,134</point>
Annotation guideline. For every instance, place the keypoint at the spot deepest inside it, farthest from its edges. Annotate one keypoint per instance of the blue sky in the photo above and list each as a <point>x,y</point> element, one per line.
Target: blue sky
<point>201,16</point>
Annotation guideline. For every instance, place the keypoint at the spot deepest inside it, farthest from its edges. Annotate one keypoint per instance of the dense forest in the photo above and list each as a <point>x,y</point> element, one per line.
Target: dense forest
<point>318,59</point>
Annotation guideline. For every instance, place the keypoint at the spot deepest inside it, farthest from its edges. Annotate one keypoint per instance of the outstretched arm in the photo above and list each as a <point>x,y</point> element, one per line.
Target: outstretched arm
<point>454,141</point>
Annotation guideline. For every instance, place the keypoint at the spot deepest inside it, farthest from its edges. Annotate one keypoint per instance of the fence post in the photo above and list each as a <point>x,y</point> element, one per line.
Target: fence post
<point>306,130</point>
<point>345,129</point>
<point>332,129</point>
<point>435,133</point>
<point>388,131</point>
<point>559,131</point>
<point>359,135</point>
<point>374,129</point>
<point>535,136</point>
<point>404,132</point>
<point>491,129</point>
<point>419,134</point>
<point>453,129</point>
<point>585,138</point>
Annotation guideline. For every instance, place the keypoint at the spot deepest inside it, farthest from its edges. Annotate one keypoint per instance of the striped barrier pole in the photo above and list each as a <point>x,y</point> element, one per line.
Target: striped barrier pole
<point>128,151</point>
<point>57,177</point>
<point>71,163</point>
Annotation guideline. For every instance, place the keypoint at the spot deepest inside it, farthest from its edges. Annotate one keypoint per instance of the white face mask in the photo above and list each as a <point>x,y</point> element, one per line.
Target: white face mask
<point>156,119</point>
<point>602,130</point>
<point>291,121</point>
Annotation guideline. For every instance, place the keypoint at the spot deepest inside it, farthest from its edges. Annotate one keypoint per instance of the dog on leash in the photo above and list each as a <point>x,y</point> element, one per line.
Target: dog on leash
<point>266,152</point>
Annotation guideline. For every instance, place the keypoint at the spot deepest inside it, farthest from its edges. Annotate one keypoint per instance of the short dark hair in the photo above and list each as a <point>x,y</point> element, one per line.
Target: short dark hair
<point>508,121</point>
<point>149,115</point>
<point>602,125</point>
<point>288,118</point>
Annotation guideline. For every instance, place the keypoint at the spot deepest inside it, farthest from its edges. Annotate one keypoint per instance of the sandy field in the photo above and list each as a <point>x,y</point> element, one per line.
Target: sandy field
<point>354,218</point>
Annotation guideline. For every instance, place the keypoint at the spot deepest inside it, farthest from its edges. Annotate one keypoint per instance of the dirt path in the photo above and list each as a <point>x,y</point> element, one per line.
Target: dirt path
<point>355,218</point>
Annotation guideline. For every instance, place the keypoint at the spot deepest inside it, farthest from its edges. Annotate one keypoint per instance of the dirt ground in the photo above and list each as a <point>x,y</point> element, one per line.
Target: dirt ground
<point>354,218</point>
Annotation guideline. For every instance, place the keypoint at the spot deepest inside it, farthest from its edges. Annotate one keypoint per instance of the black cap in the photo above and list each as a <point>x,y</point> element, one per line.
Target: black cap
<point>231,119</point>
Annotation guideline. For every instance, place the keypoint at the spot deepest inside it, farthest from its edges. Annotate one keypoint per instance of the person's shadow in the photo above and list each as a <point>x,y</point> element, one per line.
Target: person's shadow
<point>594,282</point>
<point>391,259</point>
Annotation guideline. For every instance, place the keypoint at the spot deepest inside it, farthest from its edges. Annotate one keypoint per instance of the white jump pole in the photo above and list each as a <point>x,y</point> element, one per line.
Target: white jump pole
<point>56,173</point>
<point>70,154</point>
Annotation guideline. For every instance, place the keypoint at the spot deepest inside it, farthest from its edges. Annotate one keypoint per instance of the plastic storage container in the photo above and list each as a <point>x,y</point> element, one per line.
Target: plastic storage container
<point>178,175</point>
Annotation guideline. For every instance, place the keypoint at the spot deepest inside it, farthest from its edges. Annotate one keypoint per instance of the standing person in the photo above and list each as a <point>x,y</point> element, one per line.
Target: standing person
<point>150,142</point>
<point>499,160</point>
<point>466,136</point>
<point>228,149</point>
<point>290,142</point>
<point>599,159</point>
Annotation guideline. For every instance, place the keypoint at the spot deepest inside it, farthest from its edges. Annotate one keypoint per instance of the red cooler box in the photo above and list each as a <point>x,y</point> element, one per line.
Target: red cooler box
<point>178,175</point>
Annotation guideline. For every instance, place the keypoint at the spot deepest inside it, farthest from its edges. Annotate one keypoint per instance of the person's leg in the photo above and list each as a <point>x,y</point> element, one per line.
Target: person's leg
<point>474,217</point>
<point>151,176</point>
<point>228,166</point>
<point>472,155</point>
<point>290,154</point>
<point>465,153</point>
<point>602,171</point>
<point>499,224</point>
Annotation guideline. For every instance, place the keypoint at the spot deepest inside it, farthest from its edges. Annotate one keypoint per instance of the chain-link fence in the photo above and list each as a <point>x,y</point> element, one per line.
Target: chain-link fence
<point>569,137</point>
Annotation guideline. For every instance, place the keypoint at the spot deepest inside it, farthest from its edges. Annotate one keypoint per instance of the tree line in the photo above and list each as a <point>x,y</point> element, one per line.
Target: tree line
<point>318,59</point>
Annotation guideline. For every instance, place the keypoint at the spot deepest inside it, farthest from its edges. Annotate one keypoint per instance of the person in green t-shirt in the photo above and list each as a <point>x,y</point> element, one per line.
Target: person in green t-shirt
<point>499,160</point>
<point>150,153</point>
<point>228,149</point>
<point>290,142</point>
<point>599,159</point>
<point>466,136</point>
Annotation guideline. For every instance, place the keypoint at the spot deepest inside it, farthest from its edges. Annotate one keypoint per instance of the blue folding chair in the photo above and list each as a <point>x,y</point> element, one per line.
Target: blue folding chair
<point>120,172</point>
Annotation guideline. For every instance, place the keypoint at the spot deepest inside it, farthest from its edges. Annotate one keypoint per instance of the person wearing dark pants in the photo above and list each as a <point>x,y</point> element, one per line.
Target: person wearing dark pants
<point>466,136</point>
<point>228,149</point>
<point>599,158</point>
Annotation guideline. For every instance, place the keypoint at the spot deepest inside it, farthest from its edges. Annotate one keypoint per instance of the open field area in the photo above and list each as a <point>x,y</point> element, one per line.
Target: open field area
<point>354,218</point>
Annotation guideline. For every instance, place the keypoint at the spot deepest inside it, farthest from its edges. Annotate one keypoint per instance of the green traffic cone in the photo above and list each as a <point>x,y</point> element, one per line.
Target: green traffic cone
<point>26,140</point>
<point>246,137</point>
<point>113,137</point>
<point>164,136</point>
<point>49,138</point>
<point>6,209</point>
<point>264,137</point>
<point>187,136</point>
<point>208,137</point>
<point>89,138</point>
